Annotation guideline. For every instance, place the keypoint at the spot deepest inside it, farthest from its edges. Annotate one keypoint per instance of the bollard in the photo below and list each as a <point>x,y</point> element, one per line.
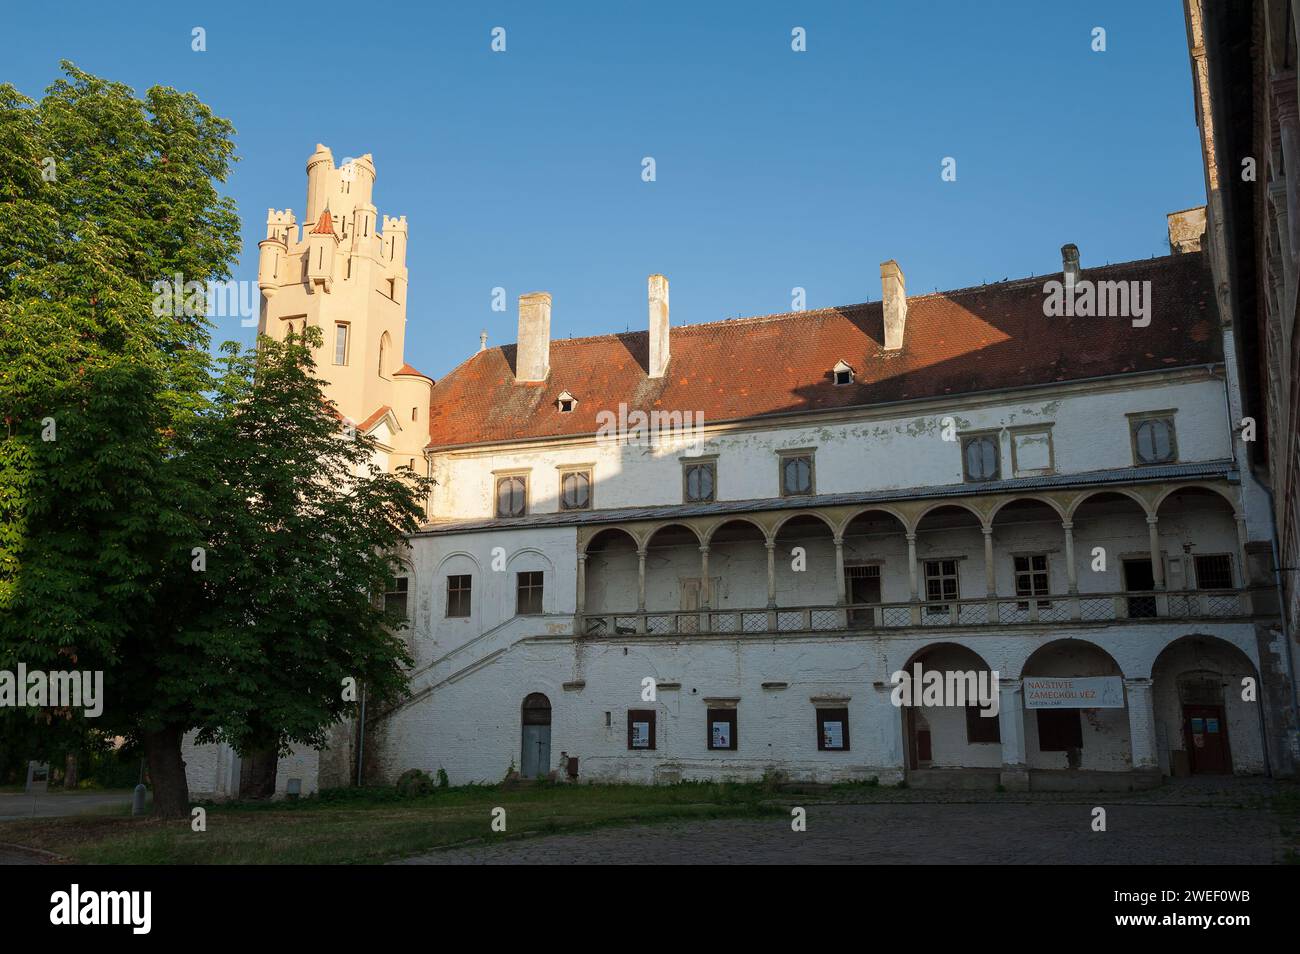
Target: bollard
<point>137,800</point>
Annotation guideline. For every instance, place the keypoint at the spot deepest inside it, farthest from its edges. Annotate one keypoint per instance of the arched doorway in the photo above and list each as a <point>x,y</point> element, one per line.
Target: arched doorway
<point>535,715</point>
<point>1207,720</point>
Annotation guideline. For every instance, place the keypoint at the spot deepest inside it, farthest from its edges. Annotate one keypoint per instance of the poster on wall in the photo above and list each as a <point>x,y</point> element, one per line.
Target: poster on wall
<point>1074,692</point>
<point>833,735</point>
<point>722,735</point>
<point>640,735</point>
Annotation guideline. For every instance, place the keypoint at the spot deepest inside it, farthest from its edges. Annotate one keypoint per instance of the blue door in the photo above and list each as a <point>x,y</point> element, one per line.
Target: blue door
<point>535,754</point>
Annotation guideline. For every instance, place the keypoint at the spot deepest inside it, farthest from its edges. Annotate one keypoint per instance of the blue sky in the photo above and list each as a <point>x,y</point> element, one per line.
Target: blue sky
<point>775,169</point>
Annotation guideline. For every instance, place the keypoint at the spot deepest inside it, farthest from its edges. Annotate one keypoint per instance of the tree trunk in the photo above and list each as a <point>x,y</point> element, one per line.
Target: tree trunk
<point>257,776</point>
<point>70,776</point>
<point>171,790</point>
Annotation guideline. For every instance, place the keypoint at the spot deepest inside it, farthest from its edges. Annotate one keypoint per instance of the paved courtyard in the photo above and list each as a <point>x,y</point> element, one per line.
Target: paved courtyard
<point>918,833</point>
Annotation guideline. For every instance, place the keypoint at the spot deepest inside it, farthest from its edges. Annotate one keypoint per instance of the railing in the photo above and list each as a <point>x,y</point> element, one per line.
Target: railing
<point>991,611</point>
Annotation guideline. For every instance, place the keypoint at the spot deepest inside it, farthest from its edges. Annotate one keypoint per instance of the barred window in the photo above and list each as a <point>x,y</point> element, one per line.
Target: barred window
<point>796,475</point>
<point>1032,578</point>
<point>1214,572</point>
<point>1153,440</point>
<point>981,457</point>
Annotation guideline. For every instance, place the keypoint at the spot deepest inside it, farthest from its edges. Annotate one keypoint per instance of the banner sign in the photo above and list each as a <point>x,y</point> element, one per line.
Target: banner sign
<point>1074,692</point>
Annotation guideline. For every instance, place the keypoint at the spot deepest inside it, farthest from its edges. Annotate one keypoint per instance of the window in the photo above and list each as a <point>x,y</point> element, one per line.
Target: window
<point>862,585</point>
<point>1153,440</point>
<point>384,344</point>
<point>1059,730</point>
<point>340,343</point>
<point>459,589</point>
<point>415,411</point>
<point>528,593</point>
<point>700,481</point>
<point>1214,572</point>
<point>1032,578</point>
<point>796,475</point>
<point>940,584</point>
<point>842,373</point>
<point>833,730</point>
<point>981,728</point>
<point>575,490</point>
<point>566,402</point>
<point>981,457</point>
<point>640,728</point>
<point>512,496</point>
<point>1031,451</point>
<point>722,729</point>
<point>395,599</point>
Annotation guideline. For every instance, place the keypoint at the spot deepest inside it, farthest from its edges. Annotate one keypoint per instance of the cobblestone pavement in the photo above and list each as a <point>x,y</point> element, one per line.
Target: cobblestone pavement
<point>917,833</point>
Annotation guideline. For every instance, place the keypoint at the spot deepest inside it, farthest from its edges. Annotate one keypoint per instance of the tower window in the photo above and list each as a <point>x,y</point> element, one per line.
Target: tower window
<point>415,411</point>
<point>340,343</point>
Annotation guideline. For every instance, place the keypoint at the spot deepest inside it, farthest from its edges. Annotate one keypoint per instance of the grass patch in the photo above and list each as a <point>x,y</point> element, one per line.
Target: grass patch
<point>362,826</point>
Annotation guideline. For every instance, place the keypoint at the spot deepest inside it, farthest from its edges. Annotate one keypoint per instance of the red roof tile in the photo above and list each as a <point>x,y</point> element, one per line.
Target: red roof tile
<point>407,369</point>
<point>373,419</point>
<point>957,342</point>
<point>326,224</point>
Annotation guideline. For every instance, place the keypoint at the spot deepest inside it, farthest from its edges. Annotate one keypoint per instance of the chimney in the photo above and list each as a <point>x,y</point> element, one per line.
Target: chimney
<point>895,302</point>
<point>482,340</point>
<point>1185,230</point>
<point>1070,265</point>
<point>533,356</point>
<point>659,336</point>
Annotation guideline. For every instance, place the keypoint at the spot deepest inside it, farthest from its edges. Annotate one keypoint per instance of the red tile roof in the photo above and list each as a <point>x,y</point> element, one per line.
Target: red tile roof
<point>957,342</point>
<point>407,369</point>
<point>373,419</point>
<point>326,224</point>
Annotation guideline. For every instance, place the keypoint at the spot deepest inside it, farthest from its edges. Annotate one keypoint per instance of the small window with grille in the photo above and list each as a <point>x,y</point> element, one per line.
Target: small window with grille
<point>575,490</point>
<point>512,496</point>
<point>1154,440</point>
<point>981,457</point>
<point>1214,572</point>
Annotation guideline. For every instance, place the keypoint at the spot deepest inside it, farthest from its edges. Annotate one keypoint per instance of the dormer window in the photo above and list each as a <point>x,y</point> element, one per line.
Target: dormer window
<point>566,402</point>
<point>842,373</point>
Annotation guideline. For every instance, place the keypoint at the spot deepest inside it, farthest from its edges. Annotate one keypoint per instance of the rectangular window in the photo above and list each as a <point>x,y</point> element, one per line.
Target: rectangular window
<point>1214,572</point>
<point>699,481</point>
<point>833,730</point>
<point>640,728</point>
<point>459,590</point>
<point>1031,451</point>
<point>796,475</point>
<point>340,343</point>
<point>981,728</point>
<point>512,496</point>
<point>722,729</point>
<point>1154,440</point>
<point>575,490</point>
<point>940,584</point>
<point>528,593</point>
<point>981,457</point>
<point>862,586</point>
<point>1032,578</point>
<point>1059,730</point>
<point>395,599</point>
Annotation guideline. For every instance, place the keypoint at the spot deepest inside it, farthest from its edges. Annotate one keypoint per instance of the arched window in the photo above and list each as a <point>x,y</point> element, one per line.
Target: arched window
<point>384,347</point>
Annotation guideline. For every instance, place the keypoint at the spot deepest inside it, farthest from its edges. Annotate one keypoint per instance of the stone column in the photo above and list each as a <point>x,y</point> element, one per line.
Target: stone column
<point>1288,120</point>
<point>911,574</point>
<point>841,589</point>
<point>1011,727</point>
<point>582,591</point>
<point>705,595</point>
<point>640,590</point>
<point>1244,576</point>
<point>1157,565</point>
<point>1071,570</point>
<point>771,585</point>
<point>990,575</point>
<point>1142,727</point>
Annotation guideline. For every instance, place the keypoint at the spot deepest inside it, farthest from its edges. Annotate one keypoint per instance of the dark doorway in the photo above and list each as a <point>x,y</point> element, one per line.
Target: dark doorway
<point>1139,578</point>
<point>1207,739</point>
<point>535,757</point>
<point>862,585</point>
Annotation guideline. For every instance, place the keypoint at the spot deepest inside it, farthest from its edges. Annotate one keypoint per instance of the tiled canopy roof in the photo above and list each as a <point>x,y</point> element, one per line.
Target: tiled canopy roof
<point>958,342</point>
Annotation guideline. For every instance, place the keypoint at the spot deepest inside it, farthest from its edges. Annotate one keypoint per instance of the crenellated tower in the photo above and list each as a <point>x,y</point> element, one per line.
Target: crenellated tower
<point>344,271</point>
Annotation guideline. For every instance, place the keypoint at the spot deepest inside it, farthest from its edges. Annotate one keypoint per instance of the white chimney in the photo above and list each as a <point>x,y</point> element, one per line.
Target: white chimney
<point>659,336</point>
<point>1070,265</point>
<point>533,355</point>
<point>895,304</point>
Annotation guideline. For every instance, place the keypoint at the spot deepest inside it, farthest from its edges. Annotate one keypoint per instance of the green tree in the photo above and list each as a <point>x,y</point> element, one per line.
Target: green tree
<point>101,195</point>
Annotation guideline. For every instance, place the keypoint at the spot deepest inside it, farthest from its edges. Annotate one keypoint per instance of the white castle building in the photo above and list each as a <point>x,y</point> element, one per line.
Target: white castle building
<point>704,551</point>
